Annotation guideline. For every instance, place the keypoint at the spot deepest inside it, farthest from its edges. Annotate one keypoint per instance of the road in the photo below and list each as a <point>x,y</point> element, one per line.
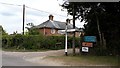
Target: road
<point>39,59</point>
<point>8,60</point>
<point>31,58</point>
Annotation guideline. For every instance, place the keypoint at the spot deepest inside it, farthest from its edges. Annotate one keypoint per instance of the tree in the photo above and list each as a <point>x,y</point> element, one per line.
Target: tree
<point>32,30</point>
<point>109,24</point>
<point>3,31</point>
<point>102,21</point>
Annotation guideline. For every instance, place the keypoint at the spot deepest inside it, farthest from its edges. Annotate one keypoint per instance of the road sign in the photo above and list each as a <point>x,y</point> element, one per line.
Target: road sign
<point>87,44</point>
<point>90,38</point>
<point>68,30</point>
<point>85,49</point>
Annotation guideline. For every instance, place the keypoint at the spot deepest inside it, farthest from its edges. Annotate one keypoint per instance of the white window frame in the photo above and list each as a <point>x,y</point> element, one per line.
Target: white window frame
<point>53,31</point>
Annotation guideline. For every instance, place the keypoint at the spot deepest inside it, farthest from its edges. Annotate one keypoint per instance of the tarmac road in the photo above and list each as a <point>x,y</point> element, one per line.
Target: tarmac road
<point>9,60</point>
<point>29,58</point>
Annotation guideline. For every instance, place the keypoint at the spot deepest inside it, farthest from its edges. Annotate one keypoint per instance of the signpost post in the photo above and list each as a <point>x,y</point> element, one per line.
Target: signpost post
<point>67,21</point>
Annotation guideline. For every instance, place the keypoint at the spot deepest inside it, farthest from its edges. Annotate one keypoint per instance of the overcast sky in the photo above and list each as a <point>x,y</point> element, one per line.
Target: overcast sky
<point>11,15</point>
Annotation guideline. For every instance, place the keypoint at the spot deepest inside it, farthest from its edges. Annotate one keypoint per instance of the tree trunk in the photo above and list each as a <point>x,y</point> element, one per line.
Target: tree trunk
<point>80,46</point>
<point>98,26</point>
<point>104,41</point>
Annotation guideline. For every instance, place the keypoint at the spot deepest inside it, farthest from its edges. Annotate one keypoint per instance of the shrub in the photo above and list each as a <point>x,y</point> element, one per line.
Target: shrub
<point>36,42</point>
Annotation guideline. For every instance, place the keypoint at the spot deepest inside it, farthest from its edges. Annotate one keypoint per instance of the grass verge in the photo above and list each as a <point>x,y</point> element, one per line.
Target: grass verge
<point>87,60</point>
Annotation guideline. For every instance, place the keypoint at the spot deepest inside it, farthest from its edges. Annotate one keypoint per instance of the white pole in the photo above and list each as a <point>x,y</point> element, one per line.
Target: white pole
<point>66,40</point>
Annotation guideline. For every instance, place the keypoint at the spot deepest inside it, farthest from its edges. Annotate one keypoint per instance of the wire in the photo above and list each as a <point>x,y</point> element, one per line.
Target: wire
<point>44,11</point>
<point>32,8</point>
<point>10,4</point>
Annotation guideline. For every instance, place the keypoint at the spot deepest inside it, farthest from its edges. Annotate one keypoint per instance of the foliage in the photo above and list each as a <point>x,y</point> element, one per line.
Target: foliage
<point>104,14</point>
<point>34,42</point>
<point>32,30</point>
<point>3,31</point>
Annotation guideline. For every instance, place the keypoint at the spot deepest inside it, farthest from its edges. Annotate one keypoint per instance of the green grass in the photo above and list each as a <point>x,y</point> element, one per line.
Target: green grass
<point>108,60</point>
<point>88,60</point>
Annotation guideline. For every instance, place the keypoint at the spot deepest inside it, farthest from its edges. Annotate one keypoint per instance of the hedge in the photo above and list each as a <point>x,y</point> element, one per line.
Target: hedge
<point>36,42</point>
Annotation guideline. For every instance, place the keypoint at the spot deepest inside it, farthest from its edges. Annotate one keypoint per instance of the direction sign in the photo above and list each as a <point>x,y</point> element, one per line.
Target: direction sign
<point>90,38</point>
<point>68,30</point>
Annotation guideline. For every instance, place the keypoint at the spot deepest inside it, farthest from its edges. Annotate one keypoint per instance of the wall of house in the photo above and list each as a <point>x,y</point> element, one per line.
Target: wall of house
<point>47,32</point>
<point>77,34</point>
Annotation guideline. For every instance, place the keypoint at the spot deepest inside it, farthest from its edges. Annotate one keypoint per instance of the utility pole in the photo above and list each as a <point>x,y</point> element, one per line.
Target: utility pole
<point>23,17</point>
<point>73,28</point>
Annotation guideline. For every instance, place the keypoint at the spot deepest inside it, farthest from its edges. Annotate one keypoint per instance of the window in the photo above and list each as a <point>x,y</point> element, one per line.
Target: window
<point>52,31</point>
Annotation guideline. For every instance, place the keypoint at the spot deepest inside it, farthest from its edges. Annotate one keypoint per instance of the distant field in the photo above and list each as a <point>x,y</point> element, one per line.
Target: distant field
<point>87,60</point>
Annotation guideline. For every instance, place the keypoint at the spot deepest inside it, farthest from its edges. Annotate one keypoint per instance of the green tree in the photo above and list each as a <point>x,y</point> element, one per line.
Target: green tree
<point>32,30</point>
<point>3,31</point>
<point>102,20</point>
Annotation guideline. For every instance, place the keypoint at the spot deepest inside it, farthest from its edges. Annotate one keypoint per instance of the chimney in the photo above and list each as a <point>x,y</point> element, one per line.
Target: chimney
<point>51,17</point>
<point>68,21</point>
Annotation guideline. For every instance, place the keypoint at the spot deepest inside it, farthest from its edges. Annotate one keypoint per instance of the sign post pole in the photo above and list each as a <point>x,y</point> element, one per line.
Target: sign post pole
<point>66,42</point>
<point>81,40</point>
<point>67,21</point>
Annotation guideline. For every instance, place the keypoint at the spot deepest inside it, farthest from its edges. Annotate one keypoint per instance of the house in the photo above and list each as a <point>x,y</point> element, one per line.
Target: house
<point>52,27</point>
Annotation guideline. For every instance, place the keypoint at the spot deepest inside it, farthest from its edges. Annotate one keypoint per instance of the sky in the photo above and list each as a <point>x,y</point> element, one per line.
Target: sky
<point>37,12</point>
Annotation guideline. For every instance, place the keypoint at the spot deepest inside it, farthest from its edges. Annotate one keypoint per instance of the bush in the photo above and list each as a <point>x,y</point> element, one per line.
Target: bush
<point>113,47</point>
<point>98,51</point>
<point>35,42</point>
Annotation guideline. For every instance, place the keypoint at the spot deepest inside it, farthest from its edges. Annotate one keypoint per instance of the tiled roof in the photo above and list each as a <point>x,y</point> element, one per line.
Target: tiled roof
<point>54,24</point>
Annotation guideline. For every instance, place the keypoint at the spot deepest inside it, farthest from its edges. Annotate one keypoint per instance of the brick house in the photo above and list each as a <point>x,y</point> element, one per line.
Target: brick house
<point>51,27</point>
